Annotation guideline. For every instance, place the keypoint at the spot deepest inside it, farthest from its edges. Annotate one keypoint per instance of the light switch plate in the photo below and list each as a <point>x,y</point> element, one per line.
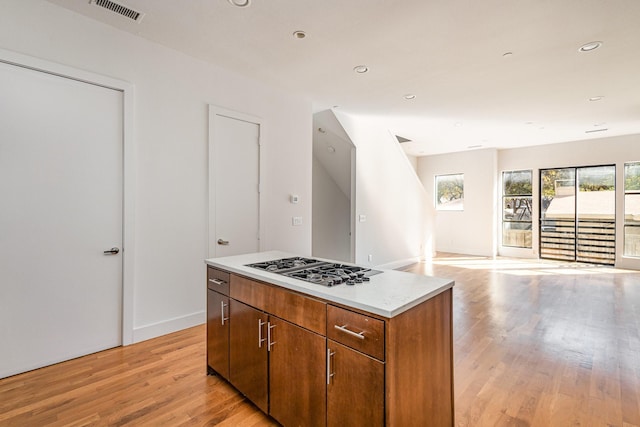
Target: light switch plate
<point>296,220</point>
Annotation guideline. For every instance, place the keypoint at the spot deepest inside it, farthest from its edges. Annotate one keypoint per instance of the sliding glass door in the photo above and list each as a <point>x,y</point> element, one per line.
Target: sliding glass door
<point>558,214</point>
<point>596,209</point>
<point>577,214</point>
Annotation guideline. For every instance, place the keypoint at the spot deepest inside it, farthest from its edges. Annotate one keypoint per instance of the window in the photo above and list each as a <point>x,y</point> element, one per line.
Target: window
<point>450,192</point>
<point>516,208</point>
<point>632,209</point>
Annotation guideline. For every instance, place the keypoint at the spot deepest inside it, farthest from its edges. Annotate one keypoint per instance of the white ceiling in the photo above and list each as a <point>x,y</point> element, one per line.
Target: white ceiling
<point>449,53</point>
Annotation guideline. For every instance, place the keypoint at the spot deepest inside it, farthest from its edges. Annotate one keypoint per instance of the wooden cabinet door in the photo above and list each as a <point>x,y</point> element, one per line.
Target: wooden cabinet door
<point>355,393</point>
<point>297,375</point>
<point>218,333</point>
<point>248,367</point>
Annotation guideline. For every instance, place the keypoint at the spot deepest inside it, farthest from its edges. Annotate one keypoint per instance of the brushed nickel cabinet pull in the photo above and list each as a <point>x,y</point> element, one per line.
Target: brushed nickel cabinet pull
<point>222,306</point>
<point>344,329</point>
<point>269,342</point>
<point>329,373</point>
<point>260,339</point>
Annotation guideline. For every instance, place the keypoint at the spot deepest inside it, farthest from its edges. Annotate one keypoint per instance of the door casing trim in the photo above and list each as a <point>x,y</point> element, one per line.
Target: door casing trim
<point>214,111</point>
<point>129,162</point>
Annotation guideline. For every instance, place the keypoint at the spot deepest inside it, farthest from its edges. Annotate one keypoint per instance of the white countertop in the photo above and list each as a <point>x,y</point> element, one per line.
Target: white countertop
<point>386,294</point>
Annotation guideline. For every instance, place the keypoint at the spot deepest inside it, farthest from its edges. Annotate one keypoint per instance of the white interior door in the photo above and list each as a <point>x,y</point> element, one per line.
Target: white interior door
<point>61,184</point>
<point>235,176</point>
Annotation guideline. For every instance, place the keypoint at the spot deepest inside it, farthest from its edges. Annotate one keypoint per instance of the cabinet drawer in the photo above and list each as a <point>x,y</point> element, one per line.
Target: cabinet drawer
<point>356,330</point>
<point>303,311</point>
<point>218,280</point>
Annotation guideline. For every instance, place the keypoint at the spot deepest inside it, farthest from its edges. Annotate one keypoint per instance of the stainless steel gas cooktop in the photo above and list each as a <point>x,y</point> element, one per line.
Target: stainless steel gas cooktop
<point>317,271</point>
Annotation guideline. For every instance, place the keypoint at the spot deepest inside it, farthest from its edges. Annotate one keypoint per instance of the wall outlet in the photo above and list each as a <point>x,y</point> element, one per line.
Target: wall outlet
<point>296,220</point>
<point>362,218</point>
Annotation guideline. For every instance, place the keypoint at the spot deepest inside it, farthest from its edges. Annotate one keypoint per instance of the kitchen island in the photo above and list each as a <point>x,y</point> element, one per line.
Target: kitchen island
<point>374,349</point>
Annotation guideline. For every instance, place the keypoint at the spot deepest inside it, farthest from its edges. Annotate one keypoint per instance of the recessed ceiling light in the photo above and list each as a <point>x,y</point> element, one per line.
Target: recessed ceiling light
<point>596,98</point>
<point>299,34</point>
<point>596,130</point>
<point>528,123</point>
<point>361,69</point>
<point>588,47</point>
<point>409,96</point>
<point>240,3</point>
<point>474,146</point>
<point>457,124</point>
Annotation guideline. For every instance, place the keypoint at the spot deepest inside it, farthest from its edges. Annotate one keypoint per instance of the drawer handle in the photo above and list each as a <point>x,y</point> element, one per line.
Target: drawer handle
<point>217,281</point>
<point>355,334</point>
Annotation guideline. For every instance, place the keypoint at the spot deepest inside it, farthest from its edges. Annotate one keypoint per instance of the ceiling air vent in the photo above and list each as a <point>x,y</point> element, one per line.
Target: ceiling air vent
<point>402,139</point>
<point>119,9</point>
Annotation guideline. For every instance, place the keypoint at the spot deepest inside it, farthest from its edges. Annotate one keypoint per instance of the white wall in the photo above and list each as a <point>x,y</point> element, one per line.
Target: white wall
<point>399,218</point>
<point>483,170</point>
<point>473,230</point>
<point>413,160</point>
<point>333,185</point>
<point>603,151</point>
<point>331,217</point>
<point>172,91</point>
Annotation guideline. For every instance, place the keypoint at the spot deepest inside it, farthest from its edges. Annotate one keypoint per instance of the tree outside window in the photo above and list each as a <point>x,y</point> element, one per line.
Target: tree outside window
<point>632,209</point>
<point>450,192</point>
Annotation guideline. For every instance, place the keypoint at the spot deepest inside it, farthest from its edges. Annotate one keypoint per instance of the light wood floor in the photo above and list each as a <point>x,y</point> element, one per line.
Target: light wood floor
<point>543,343</point>
<point>535,344</point>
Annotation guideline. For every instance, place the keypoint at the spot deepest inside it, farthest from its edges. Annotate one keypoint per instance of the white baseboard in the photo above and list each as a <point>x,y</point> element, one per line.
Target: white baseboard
<point>400,263</point>
<point>154,330</point>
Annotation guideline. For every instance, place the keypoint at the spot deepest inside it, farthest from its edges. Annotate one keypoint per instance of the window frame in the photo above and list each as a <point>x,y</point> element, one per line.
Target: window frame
<point>633,224</point>
<point>440,205</point>
<point>504,220</point>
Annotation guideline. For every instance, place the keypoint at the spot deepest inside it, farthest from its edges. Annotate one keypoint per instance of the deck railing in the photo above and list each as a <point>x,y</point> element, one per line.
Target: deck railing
<point>594,240</point>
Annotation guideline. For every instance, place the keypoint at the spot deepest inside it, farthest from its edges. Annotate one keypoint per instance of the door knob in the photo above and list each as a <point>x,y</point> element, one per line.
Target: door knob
<point>223,242</point>
<point>111,251</point>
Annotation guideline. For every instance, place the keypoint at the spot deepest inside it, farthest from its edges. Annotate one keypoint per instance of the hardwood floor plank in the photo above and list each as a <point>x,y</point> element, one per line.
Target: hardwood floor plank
<point>536,343</point>
<point>555,338</point>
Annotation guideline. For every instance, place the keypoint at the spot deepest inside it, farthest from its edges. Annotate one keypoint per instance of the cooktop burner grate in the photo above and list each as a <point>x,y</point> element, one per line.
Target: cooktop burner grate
<point>284,264</point>
<point>317,271</point>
